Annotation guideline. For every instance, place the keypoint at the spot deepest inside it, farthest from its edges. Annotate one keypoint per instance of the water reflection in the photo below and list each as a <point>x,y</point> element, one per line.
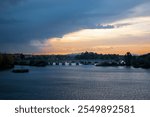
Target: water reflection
<point>76,82</point>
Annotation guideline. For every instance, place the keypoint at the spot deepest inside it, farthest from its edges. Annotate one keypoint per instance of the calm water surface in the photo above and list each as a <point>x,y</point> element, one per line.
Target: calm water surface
<point>76,82</point>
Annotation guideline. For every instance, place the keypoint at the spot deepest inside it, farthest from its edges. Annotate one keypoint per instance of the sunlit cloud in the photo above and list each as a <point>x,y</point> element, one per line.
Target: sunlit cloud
<point>128,35</point>
<point>140,10</point>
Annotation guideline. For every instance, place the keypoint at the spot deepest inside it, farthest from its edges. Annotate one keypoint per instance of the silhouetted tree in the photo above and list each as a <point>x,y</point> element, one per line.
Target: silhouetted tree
<point>6,61</point>
<point>1,59</point>
<point>22,56</point>
<point>128,59</point>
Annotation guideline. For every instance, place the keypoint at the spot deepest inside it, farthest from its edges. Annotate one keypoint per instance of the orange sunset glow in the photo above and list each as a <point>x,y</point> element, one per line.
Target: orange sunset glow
<point>127,35</point>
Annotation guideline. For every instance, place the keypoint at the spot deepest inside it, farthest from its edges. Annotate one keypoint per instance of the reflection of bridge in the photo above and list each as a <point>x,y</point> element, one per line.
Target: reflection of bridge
<point>74,62</point>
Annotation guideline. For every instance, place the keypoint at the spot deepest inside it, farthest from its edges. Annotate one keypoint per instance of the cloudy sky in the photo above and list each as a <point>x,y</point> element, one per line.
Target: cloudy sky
<point>74,26</point>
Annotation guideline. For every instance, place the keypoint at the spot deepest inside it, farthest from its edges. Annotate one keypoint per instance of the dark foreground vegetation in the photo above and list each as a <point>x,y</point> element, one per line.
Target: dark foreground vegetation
<point>8,61</point>
<point>142,61</point>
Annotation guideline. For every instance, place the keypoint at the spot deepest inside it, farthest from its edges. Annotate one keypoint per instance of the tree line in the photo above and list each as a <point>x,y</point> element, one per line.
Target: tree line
<point>142,61</point>
<point>6,61</point>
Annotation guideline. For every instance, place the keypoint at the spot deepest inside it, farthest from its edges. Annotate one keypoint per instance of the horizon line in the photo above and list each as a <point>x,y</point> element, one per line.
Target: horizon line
<point>42,54</point>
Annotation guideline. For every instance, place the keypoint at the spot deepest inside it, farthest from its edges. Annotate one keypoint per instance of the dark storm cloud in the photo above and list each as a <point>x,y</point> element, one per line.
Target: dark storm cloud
<point>24,20</point>
<point>9,2</point>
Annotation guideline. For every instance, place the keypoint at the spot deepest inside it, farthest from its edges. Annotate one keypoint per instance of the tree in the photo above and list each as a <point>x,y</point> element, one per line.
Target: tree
<point>128,58</point>
<point>1,59</point>
<point>6,61</point>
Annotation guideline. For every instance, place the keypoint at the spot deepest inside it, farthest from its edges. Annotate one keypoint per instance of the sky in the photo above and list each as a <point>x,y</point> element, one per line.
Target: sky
<point>75,26</point>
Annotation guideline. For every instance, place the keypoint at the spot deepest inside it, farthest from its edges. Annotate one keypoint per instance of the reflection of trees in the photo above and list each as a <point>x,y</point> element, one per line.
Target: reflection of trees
<point>6,61</point>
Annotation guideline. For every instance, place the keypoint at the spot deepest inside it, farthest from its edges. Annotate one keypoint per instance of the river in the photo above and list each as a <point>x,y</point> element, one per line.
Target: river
<point>85,82</point>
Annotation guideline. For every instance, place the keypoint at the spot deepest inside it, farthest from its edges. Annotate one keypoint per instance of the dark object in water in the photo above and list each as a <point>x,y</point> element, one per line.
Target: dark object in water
<point>20,70</point>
